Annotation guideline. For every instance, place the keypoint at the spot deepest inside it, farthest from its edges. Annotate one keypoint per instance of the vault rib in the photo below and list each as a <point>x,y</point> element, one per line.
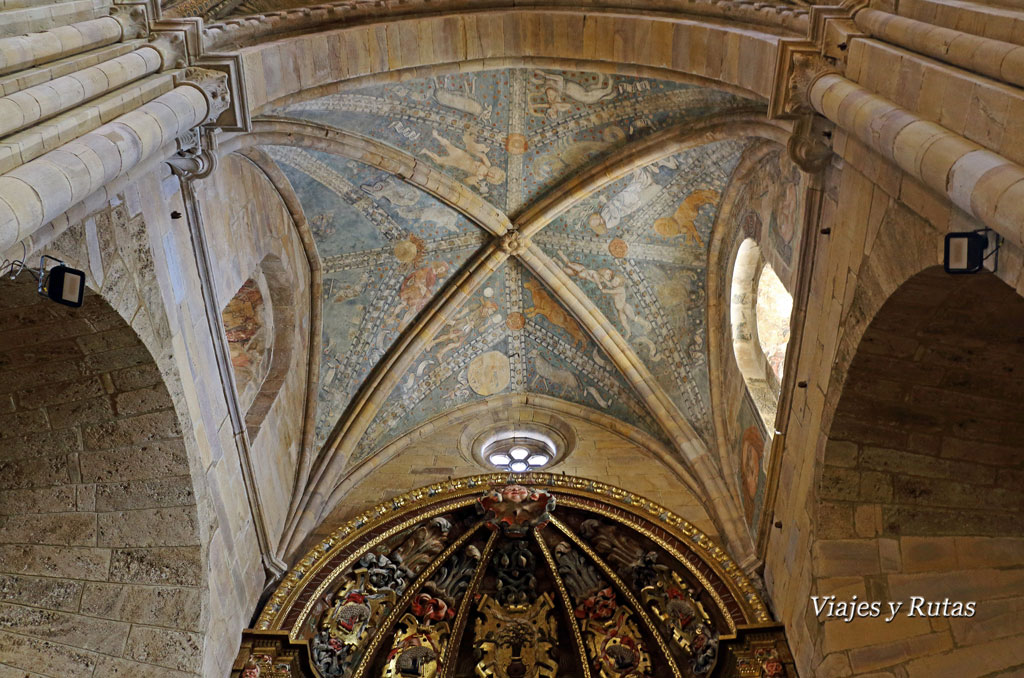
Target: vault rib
<point>318,137</point>
<point>329,469</point>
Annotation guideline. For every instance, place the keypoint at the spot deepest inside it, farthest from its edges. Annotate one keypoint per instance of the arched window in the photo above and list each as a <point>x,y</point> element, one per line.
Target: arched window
<point>773,308</point>
<point>760,310</point>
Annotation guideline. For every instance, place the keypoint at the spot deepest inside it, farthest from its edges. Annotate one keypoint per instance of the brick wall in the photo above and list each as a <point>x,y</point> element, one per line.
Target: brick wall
<point>919,494</point>
<point>101,571</point>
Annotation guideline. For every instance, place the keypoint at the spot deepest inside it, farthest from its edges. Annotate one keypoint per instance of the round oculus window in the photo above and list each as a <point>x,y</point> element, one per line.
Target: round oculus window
<point>519,451</point>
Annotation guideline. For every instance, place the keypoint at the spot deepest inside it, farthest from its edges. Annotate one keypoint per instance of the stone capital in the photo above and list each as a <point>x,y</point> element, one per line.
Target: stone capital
<point>798,65</point>
<point>214,86</point>
<point>134,19</point>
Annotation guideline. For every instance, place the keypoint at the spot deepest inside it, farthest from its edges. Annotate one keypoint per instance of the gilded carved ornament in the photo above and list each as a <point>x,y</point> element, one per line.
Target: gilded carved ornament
<point>465,492</point>
<point>425,588</point>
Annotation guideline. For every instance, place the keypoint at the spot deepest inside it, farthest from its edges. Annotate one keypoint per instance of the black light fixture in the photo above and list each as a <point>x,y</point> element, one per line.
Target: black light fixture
<point>62,284</point>
<point>965,251</point>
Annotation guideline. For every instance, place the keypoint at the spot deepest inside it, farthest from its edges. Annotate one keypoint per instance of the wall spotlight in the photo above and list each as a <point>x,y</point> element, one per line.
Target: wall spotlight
<point>965,251</point>
<point>62,284</point>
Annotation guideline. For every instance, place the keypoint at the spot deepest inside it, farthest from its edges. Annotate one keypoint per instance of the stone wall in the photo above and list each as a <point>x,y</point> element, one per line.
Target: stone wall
<point>600,455</point>
<point>138,253</point>
<point>920,491</point>
<point>101,569</point>
<point>251,234</point>
<point>884,228</point>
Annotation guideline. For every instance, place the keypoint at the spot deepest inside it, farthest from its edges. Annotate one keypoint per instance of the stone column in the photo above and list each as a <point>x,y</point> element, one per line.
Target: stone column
<point>978,181</point>
<point>34,104</point>
<point>994,58</point>
<point>36,192</point>
<point>25,51</point>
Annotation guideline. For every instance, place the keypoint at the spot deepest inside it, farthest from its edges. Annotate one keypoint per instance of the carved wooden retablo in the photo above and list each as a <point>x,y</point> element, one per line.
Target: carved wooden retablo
<point>553,578</point>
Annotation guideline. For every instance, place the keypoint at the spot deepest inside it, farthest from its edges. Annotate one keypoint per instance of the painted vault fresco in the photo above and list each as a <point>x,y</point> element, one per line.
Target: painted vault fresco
<point>512,134</point>
<point>770,206</point>
<point>638,248</point>
<point>248,325</point>
<point>510,337</point>
<point>753,467</point>
<point>386,248</point>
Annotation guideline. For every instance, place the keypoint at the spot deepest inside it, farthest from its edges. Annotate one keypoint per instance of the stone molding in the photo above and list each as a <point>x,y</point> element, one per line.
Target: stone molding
<point>245,30</point>
<point>180,46</point>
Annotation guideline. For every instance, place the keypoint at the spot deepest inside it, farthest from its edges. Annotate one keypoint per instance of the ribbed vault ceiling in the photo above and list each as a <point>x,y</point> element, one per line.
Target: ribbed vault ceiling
<point>605,304</point>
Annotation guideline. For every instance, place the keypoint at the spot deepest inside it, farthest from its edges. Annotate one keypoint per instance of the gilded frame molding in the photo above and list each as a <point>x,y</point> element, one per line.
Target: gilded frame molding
<point>412,507</point>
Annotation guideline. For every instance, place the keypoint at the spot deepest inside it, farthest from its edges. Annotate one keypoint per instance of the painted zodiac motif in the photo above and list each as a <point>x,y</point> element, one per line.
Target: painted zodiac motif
<point>405,197</point>
<point>516,641</point>
<point>558,94</point>
<point>464,99</point>
<point>567,154</point>
<point>544,305</point>
<point>641,189</point>
<point>469,321</point>
<point>416,290</point>
<point>613,285</point>
<point>553,376</point>
<point>681,221</point>
<point>471,161</point>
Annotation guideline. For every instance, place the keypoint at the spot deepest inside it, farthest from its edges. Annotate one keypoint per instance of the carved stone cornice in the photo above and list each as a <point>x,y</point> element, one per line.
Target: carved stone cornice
<point>179,42</point>
<point>173,49</point>
<point>798,65</point>
<point>134,19</point>
<point>832,28</point>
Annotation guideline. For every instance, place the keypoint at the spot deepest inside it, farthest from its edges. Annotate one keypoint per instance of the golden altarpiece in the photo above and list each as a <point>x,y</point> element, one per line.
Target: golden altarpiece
<point>554,577</point>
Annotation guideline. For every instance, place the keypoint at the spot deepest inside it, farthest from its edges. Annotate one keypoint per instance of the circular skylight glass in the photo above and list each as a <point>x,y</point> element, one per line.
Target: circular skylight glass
<point>519,452</point>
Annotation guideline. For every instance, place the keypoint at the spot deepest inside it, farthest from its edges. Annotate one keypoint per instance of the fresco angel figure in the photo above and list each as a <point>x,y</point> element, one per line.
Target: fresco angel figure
<point>613,285</point>
<point>559,93</point>
<point>640,190</point>
<point>471,161</point>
